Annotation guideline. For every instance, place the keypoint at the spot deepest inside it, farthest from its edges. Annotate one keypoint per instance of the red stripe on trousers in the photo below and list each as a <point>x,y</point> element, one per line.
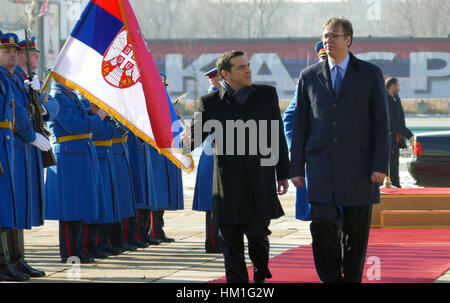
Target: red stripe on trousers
<point>69,250</point>
<point>138,234</point>
<point>213,242</point>
<point>152,226</point>
<point>125,230</point>
<point>85,238</point>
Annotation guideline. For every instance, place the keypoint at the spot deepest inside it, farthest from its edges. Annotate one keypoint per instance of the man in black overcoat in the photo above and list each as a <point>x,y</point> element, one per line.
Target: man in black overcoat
<point>399,131</point>
<point>341,136</point>
<point>250,155</point>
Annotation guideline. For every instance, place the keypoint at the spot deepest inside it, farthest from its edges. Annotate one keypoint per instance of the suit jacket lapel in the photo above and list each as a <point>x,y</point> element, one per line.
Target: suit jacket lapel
<point>324,76</point>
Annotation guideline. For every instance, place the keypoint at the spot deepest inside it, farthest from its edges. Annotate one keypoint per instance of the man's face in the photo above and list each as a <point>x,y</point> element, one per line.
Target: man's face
<point>334,41</point>
<point>34,59</point>
<point>397,88</point>
<point>240,74</point>
<point>8,57</point>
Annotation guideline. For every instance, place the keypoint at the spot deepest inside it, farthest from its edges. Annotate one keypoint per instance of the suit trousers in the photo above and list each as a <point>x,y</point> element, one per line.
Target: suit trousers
<point>258,249</point>
<point>212,240</point>
<point>337,252</point>
<point>394,164</point>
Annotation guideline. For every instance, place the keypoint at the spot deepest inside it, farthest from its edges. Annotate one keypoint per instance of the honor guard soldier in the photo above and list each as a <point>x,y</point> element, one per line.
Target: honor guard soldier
<point>168,189</point>
<point>98,231</point>
<point>302,207</point>
<point>124,182</point>
<point>23,136</point>
<point>143,185</point>
<point>204,181</point>
<point>51,110</point>
<point>73,187</point>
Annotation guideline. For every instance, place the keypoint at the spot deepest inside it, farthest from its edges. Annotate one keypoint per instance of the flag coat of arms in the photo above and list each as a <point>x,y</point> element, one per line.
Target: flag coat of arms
<point>107,60</point>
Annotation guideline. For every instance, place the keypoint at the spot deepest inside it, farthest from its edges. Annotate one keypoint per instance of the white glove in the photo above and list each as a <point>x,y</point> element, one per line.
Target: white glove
<point>44,112</point>
<point>41,142</point>
<point>36,83</point>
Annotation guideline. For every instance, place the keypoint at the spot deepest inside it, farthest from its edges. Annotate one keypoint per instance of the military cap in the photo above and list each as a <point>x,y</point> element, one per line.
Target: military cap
<point>23,44</point>
<point>320,50</point>
<point>212,73</point>
<point>9,40</point>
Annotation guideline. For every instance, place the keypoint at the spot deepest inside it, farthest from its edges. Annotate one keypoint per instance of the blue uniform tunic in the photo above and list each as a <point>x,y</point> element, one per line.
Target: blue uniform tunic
<point>168,183</point>
<point>35,156</point>
<point>8,205</point>
<point>302,206</point>
<point>204,180</point>
<point>112,212</point>
<point>123,177</point>
<point>141,171</point>
<point>73,187</point>
<point>23,135</point>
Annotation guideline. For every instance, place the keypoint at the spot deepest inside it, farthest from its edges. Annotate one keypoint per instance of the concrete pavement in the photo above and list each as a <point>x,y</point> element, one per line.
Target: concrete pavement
<point>181,261</point>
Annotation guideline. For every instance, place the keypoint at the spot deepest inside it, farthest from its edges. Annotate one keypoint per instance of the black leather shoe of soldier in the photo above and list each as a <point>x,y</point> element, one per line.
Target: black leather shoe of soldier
<point>25,268</point>
<point>8,273</point>
<point>141,244</point>
<point>154,241</point>
<point>167,239</point>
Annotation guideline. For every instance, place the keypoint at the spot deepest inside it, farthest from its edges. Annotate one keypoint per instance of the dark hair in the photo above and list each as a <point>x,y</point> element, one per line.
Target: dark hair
<point>223,62</point>
<point>390,81</point>
<point>347,27</point>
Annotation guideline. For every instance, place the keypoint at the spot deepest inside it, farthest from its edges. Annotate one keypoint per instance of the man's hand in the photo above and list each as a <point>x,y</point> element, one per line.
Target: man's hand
<point>185,137</point>
<point>298,182</point>
<point>102,114</point>
<point>283,186</point>
<point>41,142</point>
<point>35,83</point>
<point>377,177</point>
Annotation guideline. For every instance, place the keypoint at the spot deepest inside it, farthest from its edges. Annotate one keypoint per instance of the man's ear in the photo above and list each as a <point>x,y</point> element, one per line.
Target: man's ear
<point>225,74</point>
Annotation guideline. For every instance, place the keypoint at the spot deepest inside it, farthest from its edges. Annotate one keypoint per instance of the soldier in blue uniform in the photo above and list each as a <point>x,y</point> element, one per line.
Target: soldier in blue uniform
<point>24,137</point>
<point>124,182</point>
<point>168,193</point>
<point>98,231</point>
<point>302,206</point>
<point>8,219</point>
<point>140,165</point>
<point>51,110</point>
<point>204,182</point>
<point>73,187</point>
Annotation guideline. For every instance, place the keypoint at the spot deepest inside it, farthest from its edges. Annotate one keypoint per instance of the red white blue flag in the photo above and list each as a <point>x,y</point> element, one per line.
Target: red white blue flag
<point>107,60</point>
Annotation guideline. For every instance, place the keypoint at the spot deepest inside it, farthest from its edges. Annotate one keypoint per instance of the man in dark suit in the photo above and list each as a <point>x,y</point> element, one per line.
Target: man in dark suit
<point>341,133</point>
<point>244,189</point>
<point>399,131</point>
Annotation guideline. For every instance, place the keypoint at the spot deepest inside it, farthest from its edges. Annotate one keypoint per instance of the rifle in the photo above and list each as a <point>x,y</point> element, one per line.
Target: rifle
<point>116,123</point>
<point>36,109</point>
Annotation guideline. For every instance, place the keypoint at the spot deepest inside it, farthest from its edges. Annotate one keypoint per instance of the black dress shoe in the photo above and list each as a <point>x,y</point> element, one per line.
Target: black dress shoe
<point>24,267</point>
<point>8,273</point>
<point>114,251</point>
<point>99,254</point>
<point>129,247</point>
<point>167,240</point>
<point>153,241</point>
<point>142,244</point>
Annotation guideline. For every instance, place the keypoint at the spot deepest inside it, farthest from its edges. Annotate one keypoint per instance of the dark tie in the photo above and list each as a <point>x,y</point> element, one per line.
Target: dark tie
<point>337,80</point>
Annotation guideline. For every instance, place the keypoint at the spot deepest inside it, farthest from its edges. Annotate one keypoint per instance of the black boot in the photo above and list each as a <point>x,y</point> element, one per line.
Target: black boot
<point>8,273</point>
<point>24,267</point>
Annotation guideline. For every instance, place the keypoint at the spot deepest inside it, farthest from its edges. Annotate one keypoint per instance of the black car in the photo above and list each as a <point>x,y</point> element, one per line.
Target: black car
<point>430,166</point>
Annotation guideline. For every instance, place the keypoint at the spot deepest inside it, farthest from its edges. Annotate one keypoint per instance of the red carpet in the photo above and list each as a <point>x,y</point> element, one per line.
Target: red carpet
<point>403,255</point>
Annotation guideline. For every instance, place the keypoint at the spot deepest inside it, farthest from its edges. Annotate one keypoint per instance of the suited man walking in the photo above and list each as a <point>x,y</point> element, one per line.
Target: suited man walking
<point>244,188</point>
<point>341,134</point>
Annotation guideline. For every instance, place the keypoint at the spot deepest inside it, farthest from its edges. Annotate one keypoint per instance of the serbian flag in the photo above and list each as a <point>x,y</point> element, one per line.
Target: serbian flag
<point>107,60</point>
